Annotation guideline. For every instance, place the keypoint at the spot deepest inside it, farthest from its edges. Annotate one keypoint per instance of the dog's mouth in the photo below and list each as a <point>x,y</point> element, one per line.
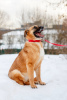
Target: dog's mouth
<point>38,31</point>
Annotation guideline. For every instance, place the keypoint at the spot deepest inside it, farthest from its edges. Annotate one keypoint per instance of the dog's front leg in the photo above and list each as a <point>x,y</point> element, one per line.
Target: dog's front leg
<point>30,70</point>
<point>38,76</point>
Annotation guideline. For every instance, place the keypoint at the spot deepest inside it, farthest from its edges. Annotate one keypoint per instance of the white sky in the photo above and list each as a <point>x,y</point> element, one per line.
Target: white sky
<point>13,7</point>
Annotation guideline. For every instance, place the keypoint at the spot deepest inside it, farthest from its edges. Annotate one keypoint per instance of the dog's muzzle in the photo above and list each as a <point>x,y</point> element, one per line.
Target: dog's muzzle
<point>38,31</point>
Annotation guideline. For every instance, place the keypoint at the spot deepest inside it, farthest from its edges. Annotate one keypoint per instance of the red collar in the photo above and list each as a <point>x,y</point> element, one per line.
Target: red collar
<point>34,40</point>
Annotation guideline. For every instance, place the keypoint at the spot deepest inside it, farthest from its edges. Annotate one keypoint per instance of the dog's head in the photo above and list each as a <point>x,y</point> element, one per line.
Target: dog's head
<point>34,32</point>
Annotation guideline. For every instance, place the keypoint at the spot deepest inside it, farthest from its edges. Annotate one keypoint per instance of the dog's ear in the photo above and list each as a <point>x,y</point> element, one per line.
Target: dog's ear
<point>26,32</point>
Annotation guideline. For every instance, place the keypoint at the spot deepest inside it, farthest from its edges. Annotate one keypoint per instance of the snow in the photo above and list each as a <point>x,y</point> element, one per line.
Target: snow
<point>1,40</point>
<point>17,39</point>
<point>13,46</point>
<point>53,72</point>
<point>13,40</point>
<point>51,31</point>
<point>14,33</point>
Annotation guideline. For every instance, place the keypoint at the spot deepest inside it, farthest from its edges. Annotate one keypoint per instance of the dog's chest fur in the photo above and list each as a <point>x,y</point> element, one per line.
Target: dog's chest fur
<point>41,50</point>
<point>41,54</point>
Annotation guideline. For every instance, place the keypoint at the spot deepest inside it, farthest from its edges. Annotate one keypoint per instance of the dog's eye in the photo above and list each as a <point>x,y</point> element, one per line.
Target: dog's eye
<point>35,27</point>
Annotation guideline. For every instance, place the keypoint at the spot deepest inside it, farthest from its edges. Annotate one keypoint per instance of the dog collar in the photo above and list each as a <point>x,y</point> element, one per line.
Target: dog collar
<point>34,40</point>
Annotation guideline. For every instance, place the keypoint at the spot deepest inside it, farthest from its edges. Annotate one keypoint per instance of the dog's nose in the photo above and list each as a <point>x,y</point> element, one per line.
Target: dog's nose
<point>41,27</point>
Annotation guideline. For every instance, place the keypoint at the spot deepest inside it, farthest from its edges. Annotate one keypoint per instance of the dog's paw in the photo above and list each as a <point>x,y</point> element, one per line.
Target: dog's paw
<point>36,82</point>
<point>42,83</point>
<point>34,86</point>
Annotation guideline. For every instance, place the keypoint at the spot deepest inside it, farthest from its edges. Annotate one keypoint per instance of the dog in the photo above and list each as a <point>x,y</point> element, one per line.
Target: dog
<point>29,59</point>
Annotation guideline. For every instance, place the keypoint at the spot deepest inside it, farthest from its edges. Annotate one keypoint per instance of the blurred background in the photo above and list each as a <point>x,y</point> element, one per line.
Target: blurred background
<point>16,16</point>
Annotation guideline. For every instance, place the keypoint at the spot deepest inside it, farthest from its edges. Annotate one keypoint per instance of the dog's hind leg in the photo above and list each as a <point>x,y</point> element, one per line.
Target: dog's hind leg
<point>17,76</point>
<point>36,81</point>
<point>27,83</point>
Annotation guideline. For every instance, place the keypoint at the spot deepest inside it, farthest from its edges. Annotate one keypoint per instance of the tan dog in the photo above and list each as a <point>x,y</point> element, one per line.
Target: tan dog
<point>29,59</point>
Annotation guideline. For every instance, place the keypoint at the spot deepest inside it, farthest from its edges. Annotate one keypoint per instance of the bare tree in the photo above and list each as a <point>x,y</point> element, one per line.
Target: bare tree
<point>62,36</point>
<point>22,17</point>
<point>10,39</point>
<point>3,19</point>
<point>37,16</point>
<point>65,24</point>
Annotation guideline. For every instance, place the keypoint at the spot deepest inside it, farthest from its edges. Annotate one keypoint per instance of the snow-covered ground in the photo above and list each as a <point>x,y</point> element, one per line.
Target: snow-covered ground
<point>53,72</point>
